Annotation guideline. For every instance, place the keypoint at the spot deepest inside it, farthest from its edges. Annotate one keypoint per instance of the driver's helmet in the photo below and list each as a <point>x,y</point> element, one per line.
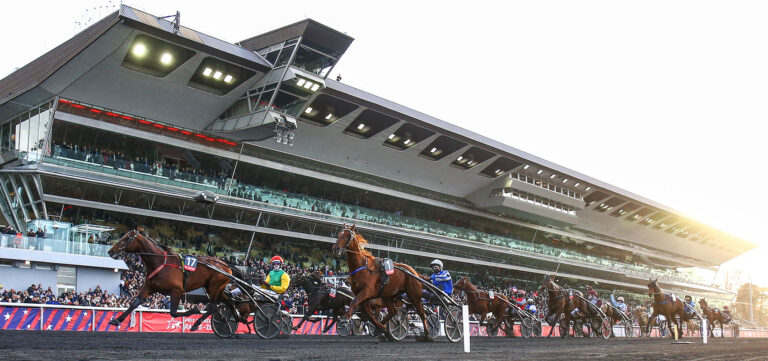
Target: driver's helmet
<point>277,259</point>
<point>620,299</point>
<point>530,301</point>
<point>521,293</point>
<point>592,293</point>
<point>725,308</point>
<point>688,298</point>
<point>436,262</point>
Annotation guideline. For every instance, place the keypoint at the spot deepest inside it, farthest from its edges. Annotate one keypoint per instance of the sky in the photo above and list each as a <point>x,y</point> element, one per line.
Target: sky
<point>666,99</point>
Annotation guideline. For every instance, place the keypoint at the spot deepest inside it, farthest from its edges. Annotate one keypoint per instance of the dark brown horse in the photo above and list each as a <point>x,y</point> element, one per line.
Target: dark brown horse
<point>319,298</point>
<point>366,280</point>
<point>560,303</point>
<point>713,315</point>
<point>166,275</point>
<point>480,303</point>
<point>663,304</point>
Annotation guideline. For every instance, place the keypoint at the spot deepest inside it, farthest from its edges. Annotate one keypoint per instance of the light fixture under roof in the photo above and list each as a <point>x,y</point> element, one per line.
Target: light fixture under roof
<point>391,136</point>
<point>498,171</point>
<point>300,82</point>
<point>407,141</point>
<point>217,75</point>
<point>308,85</point>
<point>361,126</point>
<point>207,71</point>
<point>565,180</point>
<point>308,110</point>
<point>540,171</point>
<point>433,150</point>
<point>315,87</point>
<point>552,176</point>
<point>576,185</point>
<point>459,158</point>
<point>328,117</point>
<point>166,58</point>
<point>139,49</point>
<point>228,78</point>
<point>588,188</point>
<point>526,166</point>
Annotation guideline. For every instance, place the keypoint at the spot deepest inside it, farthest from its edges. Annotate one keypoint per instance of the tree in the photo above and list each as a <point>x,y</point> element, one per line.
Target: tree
<point>759,303</point>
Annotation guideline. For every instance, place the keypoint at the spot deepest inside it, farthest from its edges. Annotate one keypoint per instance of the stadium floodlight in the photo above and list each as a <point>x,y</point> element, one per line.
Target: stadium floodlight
<point>459,158</point>
<point>565,180</point>
<point>434,150</point>
<point>228,79</point>
<point>139,49</point>
<point>526,166</point>
<point>540,171</point>
<point>391,136</point>
<point>576,185</point>
<point>217,75</point>
<point>115,270</point>
<point>362,125</point>
<point>315,87</point>
<point>552,176</point>
<point>308,110</point>
<point>498,171</point>
<point>307,85</point>
<point>407,141</point>
<point>27,262</point>
<point>166,58</point>
<point>207,72</point>
<point>300,82</point>
<point>588,188</point>
<point>328,117</point>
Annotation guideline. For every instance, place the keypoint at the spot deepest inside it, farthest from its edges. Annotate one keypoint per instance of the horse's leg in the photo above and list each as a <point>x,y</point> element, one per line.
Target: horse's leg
<point>333,322</point>
<point>208,312</point>
<point>552,323</point>
<point>722,333</point>
<point>371,317</point>
<point>175,299</point>
<point>136,302</point>
<point>651,320</point>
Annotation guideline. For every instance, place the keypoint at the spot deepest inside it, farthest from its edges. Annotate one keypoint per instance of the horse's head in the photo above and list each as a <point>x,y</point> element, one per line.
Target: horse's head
<point>345,237</point>
<point>653,287</point>
<point>703,303</point>
<point>125,245</point>
<point>463,284</point>
<point>548,282</point>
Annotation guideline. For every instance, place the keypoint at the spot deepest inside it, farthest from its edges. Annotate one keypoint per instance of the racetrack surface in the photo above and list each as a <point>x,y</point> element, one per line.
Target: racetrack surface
<point>64,345</point>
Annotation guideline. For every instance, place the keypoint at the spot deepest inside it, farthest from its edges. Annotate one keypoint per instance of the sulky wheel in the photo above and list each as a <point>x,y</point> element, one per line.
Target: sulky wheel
<point>343,327</point>
<point>663,329</point>
<point>454,328</point>
<point>266,321</point>
<point>223,321</point>
<point>564,327</point>
<point>397,327</point>
<point>285,322</point>
<point>526,327</point>
<point>509,326</point>
<point>358,326</point>
<point>629,329</point>
<point>606,327</point>
<point>433,326</point>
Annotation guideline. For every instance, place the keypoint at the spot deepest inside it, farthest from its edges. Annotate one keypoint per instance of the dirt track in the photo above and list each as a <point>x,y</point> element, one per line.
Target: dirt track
<point>62,345</point>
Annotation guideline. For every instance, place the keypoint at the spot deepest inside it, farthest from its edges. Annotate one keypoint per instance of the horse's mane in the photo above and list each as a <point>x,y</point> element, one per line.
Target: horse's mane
<point>360,242</point>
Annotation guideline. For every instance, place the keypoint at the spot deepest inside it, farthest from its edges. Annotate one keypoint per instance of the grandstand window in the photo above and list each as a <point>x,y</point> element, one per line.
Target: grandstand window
<point>313,61</point>
<point>285,56</point>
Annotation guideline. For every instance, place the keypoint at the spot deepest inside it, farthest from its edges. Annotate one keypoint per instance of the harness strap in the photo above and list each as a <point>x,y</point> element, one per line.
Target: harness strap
<point>165,263</point>
<point>357,270</point>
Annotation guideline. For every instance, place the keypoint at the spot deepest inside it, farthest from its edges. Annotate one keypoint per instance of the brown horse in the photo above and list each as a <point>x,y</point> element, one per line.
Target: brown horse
<point>166,275</point>
<point>663,304</point>
<point>560,303</point>
<point>641,315</point>
<point>480,303</point>
<point>366,280</point>
<point>713,315</point>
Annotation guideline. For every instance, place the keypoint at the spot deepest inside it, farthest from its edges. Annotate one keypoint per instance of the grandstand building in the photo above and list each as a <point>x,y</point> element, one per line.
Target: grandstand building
<point>134,115</point>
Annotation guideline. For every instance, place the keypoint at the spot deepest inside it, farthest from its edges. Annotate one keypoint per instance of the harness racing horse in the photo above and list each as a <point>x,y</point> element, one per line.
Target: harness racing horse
<point>560,304</point>
<point>167,276</point>
<point>663,304</point>
<point>319,298</point>
<point>481,303</point>
<point>365,277</point>
<point>641,315</point>
<point>613,313</point>
<point>713,314</point>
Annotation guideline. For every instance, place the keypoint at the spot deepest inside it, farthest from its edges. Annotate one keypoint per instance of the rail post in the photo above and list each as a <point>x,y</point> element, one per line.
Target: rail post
<point>141,321</point>
<point>465,326</point>
<point>42,318</point>
<point>704,331</point>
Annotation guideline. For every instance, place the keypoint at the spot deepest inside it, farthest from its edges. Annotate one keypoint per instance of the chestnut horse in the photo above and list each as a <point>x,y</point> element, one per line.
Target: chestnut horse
<point>166,275</point>
<point>480,303</point>
<point>366,281</point>
<point>641,315</point>
<point>560,303</point>
<point>663,304</point>
<point>712,314</point>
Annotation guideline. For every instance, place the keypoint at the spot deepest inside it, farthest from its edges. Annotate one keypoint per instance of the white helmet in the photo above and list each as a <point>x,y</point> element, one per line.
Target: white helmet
<point>437,262</point>
<point>620,299</point>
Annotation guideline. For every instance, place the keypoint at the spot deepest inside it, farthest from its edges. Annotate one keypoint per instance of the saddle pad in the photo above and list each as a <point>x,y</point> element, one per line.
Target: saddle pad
<point>190,263</point>
<point>389,266</point>
<point>491,294</point>
<point>332,292</point>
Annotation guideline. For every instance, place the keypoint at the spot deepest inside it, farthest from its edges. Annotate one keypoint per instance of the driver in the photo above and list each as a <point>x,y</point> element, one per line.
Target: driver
<point>520,299</point>
<point>690,307</point>
<point>619,303</point>
<point>440,278</point>
<point>530,306</point>
<point>277,281</point>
